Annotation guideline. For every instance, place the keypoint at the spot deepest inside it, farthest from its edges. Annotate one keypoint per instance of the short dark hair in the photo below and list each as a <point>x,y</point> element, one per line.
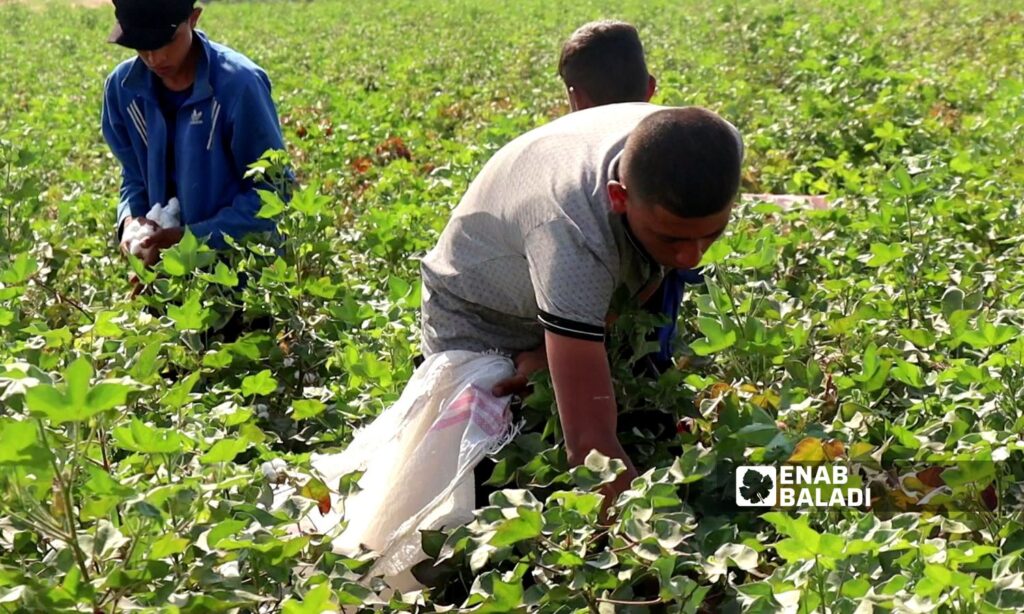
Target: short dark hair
<point>686,160</point>
<point>605,59</point>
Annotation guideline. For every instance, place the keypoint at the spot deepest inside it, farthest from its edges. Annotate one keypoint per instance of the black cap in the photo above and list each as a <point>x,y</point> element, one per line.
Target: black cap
<point>146,25</point>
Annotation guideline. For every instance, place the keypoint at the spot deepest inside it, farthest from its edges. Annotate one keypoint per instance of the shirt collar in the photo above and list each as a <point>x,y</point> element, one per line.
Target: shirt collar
<point>140,79</point>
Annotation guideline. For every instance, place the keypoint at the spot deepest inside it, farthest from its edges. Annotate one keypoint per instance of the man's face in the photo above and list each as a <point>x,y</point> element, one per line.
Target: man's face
<point>167,61</point>
<point>673,241</point>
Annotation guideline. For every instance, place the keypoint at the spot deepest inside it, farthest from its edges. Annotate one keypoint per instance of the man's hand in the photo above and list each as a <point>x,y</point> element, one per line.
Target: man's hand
<point>527,363</point>
<point>158,241</point>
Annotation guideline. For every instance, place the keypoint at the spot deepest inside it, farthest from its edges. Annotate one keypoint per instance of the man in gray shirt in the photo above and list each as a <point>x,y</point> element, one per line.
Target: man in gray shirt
<point>593,204</point>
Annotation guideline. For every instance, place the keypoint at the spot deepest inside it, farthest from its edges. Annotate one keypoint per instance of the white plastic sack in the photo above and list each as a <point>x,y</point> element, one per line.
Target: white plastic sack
<point>418,457</point>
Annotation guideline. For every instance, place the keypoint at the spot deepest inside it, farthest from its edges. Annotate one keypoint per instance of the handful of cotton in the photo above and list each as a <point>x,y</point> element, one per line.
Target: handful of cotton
<point>164,217</point>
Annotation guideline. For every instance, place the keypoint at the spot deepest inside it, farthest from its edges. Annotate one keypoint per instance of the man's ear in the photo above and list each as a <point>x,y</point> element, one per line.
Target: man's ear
<point>193,19</point>
<point>652,86</point>
<point>578,99</point>
<point>618,197</point>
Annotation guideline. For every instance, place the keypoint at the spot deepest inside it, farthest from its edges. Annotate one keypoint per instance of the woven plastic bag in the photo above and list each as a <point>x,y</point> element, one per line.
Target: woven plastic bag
<point>418,458</point>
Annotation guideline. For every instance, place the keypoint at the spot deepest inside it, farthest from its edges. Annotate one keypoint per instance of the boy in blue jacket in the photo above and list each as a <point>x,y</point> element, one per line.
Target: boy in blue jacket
<point>185,118</point>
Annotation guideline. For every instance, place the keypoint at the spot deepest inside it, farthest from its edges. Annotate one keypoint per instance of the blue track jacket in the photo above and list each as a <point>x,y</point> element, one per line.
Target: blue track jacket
<point>227,124</point>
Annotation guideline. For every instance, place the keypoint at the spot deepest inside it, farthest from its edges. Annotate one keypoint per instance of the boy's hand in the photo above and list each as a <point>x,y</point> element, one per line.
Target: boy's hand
<point>159,240</point>
<point>145,221</point>
<point>527,363</point>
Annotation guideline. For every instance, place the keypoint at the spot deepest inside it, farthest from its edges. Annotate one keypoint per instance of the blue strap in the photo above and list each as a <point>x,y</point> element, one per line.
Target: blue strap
<point>667,300</point>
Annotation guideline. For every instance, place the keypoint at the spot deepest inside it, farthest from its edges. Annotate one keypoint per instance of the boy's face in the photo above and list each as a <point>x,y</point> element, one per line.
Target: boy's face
<point>672,241</point>
<point>167,61</point>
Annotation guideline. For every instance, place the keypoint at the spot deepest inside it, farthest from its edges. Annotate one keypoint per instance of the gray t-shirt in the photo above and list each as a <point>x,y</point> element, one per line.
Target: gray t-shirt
<point>534,245</point>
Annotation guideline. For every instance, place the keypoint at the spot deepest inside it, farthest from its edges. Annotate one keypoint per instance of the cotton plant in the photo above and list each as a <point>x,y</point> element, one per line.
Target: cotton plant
<point>163,216</point>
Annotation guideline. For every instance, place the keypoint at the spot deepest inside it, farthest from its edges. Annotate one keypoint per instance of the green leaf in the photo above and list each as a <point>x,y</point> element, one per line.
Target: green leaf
<point>190,315</point>
<point>76,378</point>
<point>717,338</point>
<point>179,394</point>
<point>19,443</point>
<point>988,335</point>
<point>187,256</point>
<point>527,525</point>
<point>499,596</point>
<point>101,483</point>
<point>271,205</point>
<point>908,373</point>
<point>140,437</point>
<point>79,401</point>
<point>316,601</point>
<point>224,451</point>
<point>694,464</point>
<point>923,339</point>
<point>884,253</point>
<point>793,550</point>
<point>905,437</point>
<point>938,574</point>
<point>167,545</point>
<point>261,384</point>
<point>19,270</point>
<point>306,408</point>
<point>222,275</point>
<point>757,434</point>
<point>322,287</point>
<point>976,473</point>
<point>225,528</point>
<point>104,326</point>
<point>106,396</point>
<point>584,504</point>
<point>47,400</point>
<point>856,588</point>
<point>148,361</point>
<point>597,469</point>
<point>952,301</point>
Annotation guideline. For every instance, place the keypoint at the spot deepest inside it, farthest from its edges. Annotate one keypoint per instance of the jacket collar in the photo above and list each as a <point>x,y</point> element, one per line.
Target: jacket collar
<point>142,82</point>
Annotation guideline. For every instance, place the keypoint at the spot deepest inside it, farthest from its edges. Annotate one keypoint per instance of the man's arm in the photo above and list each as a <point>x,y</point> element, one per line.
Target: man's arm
<point>586,402</point>
<point>254,128</point>
<point>134,197</point>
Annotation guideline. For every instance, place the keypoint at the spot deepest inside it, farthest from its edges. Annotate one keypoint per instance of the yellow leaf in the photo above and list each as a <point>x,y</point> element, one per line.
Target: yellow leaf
<point>809,450</point>
<point>910,483</point>
<point>861,450</point>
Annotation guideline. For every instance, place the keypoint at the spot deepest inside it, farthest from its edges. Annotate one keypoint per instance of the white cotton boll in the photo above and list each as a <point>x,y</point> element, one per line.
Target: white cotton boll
<point>133,235</point>
<point>172,214</point>
<point>166,217</point>
<point>155,212</point>
<point>275,471</point>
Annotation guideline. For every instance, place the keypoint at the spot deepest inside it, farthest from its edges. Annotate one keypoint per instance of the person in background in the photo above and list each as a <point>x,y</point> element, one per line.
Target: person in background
<point>185,118</point>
